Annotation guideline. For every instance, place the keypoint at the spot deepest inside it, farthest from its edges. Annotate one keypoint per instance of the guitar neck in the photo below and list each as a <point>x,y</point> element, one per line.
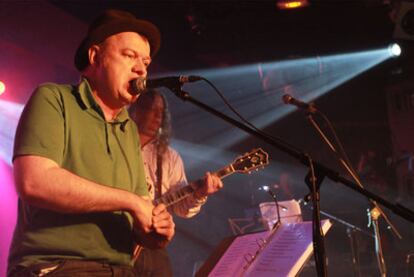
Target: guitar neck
<point>171,198</point>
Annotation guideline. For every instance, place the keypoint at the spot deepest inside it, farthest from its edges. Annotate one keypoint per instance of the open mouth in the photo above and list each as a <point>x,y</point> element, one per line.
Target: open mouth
<point>131,87</point>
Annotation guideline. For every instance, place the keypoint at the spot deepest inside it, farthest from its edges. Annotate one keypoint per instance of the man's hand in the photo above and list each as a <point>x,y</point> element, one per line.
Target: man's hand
<point>162,222</point>
<point>161,229</point>
<point>142,214</point>
<point>211,184</point>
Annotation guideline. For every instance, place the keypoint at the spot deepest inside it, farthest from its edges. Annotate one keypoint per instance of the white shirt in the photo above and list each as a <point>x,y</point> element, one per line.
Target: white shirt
<point>173,178</point>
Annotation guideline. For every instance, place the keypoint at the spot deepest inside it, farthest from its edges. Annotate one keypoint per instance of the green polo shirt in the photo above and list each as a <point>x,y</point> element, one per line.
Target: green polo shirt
<point>65,124</point>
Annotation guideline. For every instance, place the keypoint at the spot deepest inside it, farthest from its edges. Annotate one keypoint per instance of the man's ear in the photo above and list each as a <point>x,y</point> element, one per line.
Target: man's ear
<point>94,54</point>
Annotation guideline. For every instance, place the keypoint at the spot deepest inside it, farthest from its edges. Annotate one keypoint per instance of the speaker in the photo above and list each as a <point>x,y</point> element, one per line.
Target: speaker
<point>404,21</point>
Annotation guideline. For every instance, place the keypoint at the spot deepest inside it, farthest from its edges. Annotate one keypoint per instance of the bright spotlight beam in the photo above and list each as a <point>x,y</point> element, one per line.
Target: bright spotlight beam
<point>256,91</point>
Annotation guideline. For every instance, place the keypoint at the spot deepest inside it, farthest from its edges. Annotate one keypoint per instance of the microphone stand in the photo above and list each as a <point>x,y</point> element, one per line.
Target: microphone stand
<point>278,222</point>
<point>317,169</point>
<point>314,180</point>
<point>350,230</point>
<point>374,213</point>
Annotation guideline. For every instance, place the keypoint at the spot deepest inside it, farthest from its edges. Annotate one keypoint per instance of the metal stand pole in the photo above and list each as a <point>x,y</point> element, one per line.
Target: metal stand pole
<point>373,215</point>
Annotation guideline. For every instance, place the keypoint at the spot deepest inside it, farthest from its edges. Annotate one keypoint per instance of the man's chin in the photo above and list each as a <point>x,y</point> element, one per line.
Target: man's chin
<point>150,133</point>
<point>128,100</point>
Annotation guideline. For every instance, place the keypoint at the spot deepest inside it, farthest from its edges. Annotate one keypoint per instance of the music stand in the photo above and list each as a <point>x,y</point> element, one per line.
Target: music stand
<point>280,252</point>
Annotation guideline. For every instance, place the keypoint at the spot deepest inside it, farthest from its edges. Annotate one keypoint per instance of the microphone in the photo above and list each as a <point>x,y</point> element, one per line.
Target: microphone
<point>141,84</point>
<point>288,99</point>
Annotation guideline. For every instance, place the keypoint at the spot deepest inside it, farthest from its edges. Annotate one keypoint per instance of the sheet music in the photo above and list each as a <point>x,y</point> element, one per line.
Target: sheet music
<point>233,260</point>
<point>283,254</point>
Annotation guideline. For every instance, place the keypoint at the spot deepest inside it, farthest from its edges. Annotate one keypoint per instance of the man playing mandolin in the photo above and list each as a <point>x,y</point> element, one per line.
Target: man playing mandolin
<point>164,173</point>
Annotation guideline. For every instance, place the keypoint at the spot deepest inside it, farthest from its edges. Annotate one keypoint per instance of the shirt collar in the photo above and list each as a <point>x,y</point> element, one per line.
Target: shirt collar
<point>89,102</point>
<point>150,144</point>
<point>85,93</point>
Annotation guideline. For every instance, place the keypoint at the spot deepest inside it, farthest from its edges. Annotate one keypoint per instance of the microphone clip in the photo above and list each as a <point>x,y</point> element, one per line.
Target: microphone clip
<point>310,108</point>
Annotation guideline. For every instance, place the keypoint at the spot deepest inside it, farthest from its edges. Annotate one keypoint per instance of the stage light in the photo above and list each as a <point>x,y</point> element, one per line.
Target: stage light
<point>9,117</point>
<point>264,187</point>
<point>394,50</point>
<point>2,87</point>
<point>290,4</point>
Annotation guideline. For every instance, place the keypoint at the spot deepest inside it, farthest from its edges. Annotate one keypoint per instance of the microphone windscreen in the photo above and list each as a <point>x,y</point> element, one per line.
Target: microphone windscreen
<point>138,85</point>
<point>286,98</point>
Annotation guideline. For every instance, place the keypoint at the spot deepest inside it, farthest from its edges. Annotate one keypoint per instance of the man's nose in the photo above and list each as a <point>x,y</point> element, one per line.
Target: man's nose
<point>140,68</point>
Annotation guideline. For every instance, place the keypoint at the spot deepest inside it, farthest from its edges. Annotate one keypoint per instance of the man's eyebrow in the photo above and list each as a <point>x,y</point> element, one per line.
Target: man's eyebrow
<point>148,58</point>
<point>129,49</point>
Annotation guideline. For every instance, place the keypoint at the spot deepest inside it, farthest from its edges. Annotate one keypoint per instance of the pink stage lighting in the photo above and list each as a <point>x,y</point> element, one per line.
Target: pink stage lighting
<point>2,87</point>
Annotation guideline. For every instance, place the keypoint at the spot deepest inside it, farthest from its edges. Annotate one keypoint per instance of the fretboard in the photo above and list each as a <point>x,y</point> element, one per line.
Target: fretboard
<point>171,198</point>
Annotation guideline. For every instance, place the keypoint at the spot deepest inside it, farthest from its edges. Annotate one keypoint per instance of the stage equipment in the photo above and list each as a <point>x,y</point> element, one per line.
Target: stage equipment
<point>317,172</point>
<point>289,212</point>
<point>141,84</point>
<point>395,50</point>
<point>280,252</point>
<point>291,4</point>
<point>375,211</point>
<point>404,22</point>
